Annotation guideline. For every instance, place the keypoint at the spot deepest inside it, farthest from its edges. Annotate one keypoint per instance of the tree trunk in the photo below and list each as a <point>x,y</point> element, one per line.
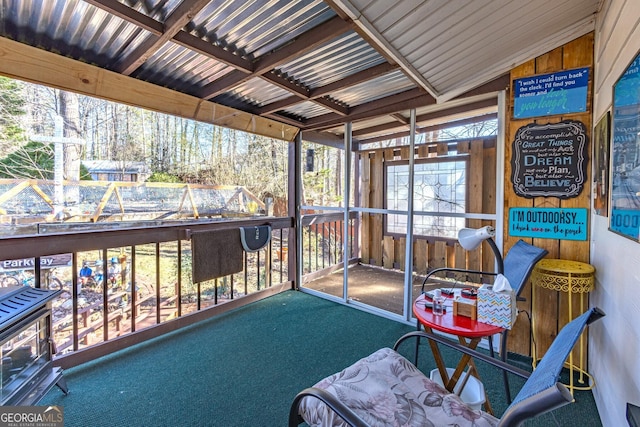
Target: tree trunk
<point>70,112</point>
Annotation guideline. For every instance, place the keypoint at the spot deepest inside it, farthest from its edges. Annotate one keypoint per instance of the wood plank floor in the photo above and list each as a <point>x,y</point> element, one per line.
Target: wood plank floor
<point>375,286</point>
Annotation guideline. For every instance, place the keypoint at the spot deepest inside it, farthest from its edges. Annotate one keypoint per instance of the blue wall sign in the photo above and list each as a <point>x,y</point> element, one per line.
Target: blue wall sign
<point>626,222</point>
<point>625,154</point>
<point>548,223</point>
<point>563,92</point>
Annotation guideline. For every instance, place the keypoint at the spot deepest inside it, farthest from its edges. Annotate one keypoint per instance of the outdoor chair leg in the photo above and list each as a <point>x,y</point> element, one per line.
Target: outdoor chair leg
<point>503,356</point>
<point>418,328</point>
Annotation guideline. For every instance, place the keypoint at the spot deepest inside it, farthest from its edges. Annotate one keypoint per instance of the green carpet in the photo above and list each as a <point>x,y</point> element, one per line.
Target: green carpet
<point>244,368</point>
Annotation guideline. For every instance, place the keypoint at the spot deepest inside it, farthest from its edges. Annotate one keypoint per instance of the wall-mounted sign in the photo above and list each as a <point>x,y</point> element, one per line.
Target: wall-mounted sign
<point>626,222</point>
<point>549,160</point>
<point>625,153</point>
<point>563,92</point>
<point>548,223</point>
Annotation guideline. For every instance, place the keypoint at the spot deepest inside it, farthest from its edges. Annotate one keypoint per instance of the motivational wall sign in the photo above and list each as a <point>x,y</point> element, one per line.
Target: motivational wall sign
<point>549,160</point>
<point>551,223</point>
<point>563,92</point>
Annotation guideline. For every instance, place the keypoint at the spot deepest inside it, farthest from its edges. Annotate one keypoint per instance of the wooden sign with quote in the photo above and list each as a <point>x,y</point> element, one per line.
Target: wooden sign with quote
<point>548,160</point>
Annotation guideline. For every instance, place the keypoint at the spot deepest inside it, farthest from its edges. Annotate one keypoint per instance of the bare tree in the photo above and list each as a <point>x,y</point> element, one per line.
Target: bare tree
<point>70,112</point>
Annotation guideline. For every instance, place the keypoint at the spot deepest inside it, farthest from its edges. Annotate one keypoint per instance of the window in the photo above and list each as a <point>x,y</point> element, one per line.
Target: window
<point>439,187</point>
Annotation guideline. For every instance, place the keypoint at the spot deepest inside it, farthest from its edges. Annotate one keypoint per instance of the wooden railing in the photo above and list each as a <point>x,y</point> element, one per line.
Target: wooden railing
<point>323,243</point>
<point>140,284</point>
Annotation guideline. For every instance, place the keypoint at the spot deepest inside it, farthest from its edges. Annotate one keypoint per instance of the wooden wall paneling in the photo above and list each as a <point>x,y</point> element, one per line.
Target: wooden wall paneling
<point>423,151</point>
<point>442,149</point>
<point>401,253</point>
<point>451,255</point>
<point>547,302</point>
<point>439,254</point>
<point>462,147</point>
<point>489,181</point>
<point>365,188</point>
<point>519,337</point>
<point>578,53</point>
<point>377,201</point>
<point>477,258</point>
<point>420,256</point>
<point>460,256</point>
<point>388,252</point>
<point>550,306</point>
<point>431,256</point>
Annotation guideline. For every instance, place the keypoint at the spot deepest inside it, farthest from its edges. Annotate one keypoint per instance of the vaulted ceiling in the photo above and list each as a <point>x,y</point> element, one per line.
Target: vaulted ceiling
<point>280,66</point>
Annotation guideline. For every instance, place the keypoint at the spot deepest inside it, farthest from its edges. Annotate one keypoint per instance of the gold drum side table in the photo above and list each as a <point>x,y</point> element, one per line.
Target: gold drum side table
<point>571,277</point>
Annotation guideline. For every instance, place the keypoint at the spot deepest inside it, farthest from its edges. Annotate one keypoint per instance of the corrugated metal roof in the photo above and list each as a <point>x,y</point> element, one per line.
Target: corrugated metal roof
<point>254,28</point>
<point>304,63</point>
<point>255,92</point>
<point>332,61</point>
<point>178,67</point>
<point>380,87</point>
<point>456,45</point>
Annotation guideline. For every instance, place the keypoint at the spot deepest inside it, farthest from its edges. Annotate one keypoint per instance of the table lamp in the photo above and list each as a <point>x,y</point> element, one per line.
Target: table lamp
<point>471,238</point>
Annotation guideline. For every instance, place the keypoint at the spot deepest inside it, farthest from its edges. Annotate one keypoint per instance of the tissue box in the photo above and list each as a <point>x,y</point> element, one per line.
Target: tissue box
<point>497,308</point>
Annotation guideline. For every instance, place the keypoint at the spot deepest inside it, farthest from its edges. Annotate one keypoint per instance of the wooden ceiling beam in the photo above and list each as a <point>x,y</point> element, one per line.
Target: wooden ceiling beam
<point>302,44</point>
<point>286,84</point>
<point>175,22</point>
<point>279,105</point>
<point>401,119</point>
<point>428,116</point>
<point>205,48</point>
<point>425,129</point>
<point>352,80</point>
<point>124,12</point>
<point>23,62</point>
<point>182,37</point>
<point>265,65</point>
<point>332,105</point>
<point>495,85</point>
<point>412,98</point>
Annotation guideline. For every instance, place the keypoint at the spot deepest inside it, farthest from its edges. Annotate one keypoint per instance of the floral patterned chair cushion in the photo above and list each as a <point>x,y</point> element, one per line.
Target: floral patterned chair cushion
<point>385,389</point>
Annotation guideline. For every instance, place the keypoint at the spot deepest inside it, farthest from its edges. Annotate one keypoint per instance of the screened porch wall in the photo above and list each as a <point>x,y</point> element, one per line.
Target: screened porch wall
<point>388,250</point>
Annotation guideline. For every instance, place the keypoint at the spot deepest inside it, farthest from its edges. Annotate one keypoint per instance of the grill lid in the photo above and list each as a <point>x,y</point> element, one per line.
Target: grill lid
<point>17,302</point>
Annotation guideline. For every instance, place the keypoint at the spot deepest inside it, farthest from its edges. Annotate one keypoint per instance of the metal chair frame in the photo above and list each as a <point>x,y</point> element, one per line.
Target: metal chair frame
<point>516,267</point>
<point>542,392</point>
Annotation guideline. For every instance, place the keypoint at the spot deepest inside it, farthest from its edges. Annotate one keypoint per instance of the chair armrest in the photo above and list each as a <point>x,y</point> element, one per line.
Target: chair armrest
<point>473,353</point>
<point>545,401</point>
<point>338,407</point>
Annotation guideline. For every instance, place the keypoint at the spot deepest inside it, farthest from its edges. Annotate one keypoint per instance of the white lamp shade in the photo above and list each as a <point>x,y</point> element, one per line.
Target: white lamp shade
<point>470,238</point>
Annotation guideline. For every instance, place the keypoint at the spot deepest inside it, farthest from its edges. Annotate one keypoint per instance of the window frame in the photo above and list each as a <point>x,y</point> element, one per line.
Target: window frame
<point>441,159</point>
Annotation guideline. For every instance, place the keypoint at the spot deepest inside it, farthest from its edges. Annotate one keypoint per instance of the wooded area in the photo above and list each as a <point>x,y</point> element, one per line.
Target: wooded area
<point>174,149</point>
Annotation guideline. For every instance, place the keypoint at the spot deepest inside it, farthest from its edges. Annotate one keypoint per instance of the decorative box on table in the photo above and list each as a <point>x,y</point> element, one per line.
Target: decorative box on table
<point>497,308</point>
<point>465,307</point>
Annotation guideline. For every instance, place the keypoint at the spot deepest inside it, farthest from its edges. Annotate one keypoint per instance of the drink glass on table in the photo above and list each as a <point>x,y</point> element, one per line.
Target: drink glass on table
<point>438,303</point>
